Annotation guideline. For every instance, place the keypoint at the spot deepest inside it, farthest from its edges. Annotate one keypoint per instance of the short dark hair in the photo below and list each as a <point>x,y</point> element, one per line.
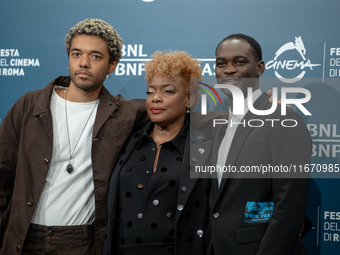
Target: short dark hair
<point>256,48</point>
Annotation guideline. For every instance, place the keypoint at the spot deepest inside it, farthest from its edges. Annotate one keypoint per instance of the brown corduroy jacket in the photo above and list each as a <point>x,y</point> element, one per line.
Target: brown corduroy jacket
<point>26,142</point>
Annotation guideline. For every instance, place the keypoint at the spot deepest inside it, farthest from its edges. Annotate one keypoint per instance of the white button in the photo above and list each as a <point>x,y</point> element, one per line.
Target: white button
<point>201,150</point>
<point>216,215</point>
<point>200,233</point>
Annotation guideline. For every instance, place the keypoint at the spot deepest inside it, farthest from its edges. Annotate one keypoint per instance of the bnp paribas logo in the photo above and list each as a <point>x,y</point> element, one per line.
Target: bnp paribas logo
<point>284,61</point>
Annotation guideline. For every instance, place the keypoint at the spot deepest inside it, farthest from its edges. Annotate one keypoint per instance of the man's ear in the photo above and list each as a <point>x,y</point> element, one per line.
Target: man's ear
<point>112,66</point>
<point>260,68</point>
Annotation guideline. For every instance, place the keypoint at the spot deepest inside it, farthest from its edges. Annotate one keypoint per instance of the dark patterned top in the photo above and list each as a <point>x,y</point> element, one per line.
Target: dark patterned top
<point>147,200</point>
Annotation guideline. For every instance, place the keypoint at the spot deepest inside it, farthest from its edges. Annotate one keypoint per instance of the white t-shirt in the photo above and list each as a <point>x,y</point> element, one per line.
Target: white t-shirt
<point>68,199</point>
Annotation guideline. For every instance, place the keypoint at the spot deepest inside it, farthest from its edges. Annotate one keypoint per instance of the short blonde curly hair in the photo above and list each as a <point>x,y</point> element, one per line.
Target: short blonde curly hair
<point>174,65</point>
<point>101,29</point>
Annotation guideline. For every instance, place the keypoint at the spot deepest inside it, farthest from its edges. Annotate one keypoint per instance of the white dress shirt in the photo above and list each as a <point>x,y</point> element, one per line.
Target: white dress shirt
<point>233,122</point>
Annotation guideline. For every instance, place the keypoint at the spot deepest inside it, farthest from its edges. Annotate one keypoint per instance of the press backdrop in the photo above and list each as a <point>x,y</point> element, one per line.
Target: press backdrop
<point>299,39</point>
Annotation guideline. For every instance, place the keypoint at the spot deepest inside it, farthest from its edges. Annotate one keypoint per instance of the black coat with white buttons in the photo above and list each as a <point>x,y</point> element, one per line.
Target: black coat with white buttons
<point>192,212</point>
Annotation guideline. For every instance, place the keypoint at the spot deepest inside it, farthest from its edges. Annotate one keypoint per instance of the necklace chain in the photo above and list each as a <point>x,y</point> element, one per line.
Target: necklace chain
<point>69,167</point>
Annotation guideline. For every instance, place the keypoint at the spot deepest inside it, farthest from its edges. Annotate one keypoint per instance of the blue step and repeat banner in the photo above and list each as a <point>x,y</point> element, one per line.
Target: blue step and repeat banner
<point>299,39</point>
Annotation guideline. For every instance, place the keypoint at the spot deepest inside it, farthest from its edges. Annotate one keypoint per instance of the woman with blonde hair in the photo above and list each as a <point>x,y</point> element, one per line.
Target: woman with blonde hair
<point>154,205</point>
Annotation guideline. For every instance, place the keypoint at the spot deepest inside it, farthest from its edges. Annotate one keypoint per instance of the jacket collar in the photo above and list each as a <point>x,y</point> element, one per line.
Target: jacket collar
<point>241,135</point>
<point>177,141</point>
<point>107,104</point>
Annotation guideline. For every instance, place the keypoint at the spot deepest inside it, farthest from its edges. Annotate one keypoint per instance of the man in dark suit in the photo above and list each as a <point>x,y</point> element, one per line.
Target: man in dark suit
<point>251,215</point>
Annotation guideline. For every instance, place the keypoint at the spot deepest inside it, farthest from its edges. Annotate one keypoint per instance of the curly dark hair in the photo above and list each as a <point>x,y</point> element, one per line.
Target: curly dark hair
<point>101,29</point>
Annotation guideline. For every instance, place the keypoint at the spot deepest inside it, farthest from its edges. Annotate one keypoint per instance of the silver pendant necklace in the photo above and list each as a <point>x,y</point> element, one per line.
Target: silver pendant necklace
<point>69,167</point>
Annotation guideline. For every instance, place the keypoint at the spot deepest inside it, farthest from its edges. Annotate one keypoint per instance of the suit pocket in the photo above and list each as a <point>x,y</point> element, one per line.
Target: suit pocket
<point>250,234</point>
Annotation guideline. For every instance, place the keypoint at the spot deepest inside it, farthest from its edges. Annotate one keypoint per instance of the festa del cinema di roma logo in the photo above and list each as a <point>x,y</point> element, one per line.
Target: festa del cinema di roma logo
<point>291,64</point>
<point>238,104</point>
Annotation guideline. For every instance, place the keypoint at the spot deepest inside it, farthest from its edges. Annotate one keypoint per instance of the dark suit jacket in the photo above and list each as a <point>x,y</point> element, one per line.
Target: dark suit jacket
<point>193,217</point>
<point>252,146</point>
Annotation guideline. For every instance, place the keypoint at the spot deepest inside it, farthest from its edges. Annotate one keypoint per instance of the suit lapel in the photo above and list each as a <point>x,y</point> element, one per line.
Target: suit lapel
<point>240,136</point>
<point>217,143</point>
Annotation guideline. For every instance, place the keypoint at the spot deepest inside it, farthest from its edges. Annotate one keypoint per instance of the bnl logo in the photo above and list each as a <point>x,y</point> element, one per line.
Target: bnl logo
<point>238,99</point>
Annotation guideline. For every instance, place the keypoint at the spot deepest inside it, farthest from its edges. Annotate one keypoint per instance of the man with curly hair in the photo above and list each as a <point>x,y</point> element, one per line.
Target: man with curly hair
<point>54,163</point>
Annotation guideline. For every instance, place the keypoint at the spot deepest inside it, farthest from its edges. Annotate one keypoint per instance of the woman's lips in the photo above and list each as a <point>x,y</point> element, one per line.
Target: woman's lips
<point>156,110</point>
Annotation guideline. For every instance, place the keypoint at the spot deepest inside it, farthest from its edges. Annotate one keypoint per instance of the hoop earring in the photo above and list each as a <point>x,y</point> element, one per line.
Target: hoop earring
<point>108,76</point>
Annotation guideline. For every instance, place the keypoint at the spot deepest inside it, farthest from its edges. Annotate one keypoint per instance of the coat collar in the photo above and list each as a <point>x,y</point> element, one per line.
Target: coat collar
<point>107,105</point>
<point>177,141</point>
